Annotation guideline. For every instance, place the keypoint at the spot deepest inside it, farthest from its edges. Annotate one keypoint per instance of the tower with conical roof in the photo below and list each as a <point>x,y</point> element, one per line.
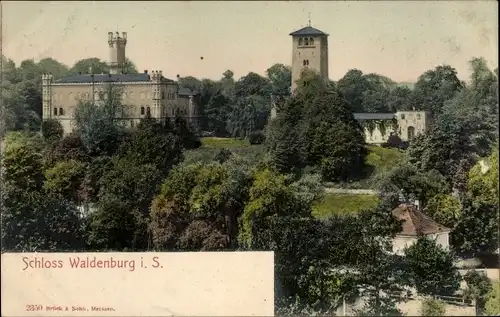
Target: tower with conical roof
<point>309,51</point>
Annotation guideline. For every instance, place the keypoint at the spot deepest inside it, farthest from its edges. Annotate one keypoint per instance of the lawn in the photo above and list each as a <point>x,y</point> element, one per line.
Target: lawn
<point>378,161</point>
<point>343,204</point>
<point>211,145</point>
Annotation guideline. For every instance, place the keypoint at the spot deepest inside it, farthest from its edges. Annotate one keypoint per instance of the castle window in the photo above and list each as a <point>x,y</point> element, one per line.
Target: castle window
<point>61,112</point>
<point>148,111</point>
<point>403,116</point>
<point>311,41</point>
<point>142,111</point>
<point>305,62</point>
<point>301,42</point>
<point>55,111</point>
<point>418,116</point>
<point>162,95</point>
<point>306,41</point>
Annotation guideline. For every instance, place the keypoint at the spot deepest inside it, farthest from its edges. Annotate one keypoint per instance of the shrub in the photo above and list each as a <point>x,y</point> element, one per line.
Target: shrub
<point>432,307</point>
<point>394,141</point>
<point>256,137</point>
<point>223,155</point>
<point>52,130</point>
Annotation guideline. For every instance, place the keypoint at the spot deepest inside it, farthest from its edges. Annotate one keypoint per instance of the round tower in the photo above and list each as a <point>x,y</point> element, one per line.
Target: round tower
<point>117,46</point>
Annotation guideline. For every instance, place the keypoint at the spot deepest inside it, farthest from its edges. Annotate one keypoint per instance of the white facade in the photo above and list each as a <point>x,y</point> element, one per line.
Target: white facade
<point>400,242</point>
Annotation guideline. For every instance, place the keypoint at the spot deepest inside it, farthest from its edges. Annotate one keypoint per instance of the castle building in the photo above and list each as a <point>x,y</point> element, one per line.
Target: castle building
<point>142,94</point>
<point>310,51</point>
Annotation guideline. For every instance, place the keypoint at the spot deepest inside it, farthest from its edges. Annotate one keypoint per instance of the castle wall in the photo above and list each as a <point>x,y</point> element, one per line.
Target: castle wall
<point>137,97</point>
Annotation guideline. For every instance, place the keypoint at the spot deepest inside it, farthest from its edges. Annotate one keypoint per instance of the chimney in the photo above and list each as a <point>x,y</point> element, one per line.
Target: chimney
<point>145,71</point>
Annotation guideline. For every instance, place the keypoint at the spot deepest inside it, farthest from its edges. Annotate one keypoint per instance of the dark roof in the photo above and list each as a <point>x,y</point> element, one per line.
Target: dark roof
<point>415,222</point>
<point>308,30</point>
<point>99,78</point>
<point>373,116</point>
<point>186,92</point>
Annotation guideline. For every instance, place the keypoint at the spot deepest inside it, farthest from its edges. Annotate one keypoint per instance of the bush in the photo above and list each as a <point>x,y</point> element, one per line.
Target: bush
<point>432,307</point>
<point>394,141</point>
<point>256,138</point>
<point>52,130</point>
<point>223,155</point>
<point>492,306</point>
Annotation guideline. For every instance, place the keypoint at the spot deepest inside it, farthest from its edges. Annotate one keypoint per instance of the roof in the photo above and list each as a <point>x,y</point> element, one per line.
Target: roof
<point>186,92</point>
<point>87,78</point>
<point>308,30</point>
<point>373,116</point>
<point>124,78</point>
<point>415,222</point>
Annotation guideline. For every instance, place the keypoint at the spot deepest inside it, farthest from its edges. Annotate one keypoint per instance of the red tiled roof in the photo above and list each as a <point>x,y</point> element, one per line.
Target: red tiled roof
<point>415,222</point>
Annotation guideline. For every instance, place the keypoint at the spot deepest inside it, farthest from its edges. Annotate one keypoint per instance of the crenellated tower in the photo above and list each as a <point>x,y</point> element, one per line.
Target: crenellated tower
<point>117,46</point>
<point>156,80</point>
<point>46,96</point>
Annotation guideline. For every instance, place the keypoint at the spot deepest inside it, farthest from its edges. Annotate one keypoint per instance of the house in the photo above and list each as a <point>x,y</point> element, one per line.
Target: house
<point>415,225</point>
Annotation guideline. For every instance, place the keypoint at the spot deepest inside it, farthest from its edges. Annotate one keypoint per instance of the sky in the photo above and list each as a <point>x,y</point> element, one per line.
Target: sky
<point>398,39</point>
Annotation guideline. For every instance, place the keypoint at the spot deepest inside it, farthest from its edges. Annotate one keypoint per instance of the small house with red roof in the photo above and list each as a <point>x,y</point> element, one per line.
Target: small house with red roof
<point>416,224</point>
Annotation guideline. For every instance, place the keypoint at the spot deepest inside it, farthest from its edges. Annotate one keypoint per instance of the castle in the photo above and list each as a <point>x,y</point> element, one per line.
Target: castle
<point>310,51</point>
<point>143,93</point>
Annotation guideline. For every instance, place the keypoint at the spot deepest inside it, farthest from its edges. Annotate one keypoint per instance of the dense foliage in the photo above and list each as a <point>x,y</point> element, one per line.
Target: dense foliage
<point>108,187</point>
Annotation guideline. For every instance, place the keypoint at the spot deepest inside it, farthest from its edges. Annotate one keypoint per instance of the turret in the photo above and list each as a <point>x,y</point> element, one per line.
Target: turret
<point>46,96</point>
<point>117,46</point>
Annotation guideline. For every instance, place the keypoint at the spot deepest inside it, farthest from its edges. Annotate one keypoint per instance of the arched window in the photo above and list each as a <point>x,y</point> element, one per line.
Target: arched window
<point>162,95</point>
<point>61,112</point>
<point>311,41</point>
<point>305,62</point>
<point>148,111</point>
<point>301,42</point>
<point>132,123</point>
<point>306,41</point>
<point>411,133</point>
<point>55,111</point>
<point>142,111</point>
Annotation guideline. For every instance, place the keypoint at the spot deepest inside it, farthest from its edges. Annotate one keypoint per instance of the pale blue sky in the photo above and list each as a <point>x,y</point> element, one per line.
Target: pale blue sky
<point>395,38</point>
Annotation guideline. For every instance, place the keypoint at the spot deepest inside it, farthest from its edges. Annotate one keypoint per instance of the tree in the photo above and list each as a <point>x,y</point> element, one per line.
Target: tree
<point>35,222</point>
<point>435,87</point>
<point>400,99</point>
<point>125,194</point>
<point>445,209</point>
<point>99,124</point>
<point>64,180</point>
<point>252,84</point>
<point>442,149</point>
<point>185,132</point>
<point>247,116</point>
<point>431,268</point>
<point>483,179</point>
<point>91,65</point>
<point>492,306</point>
<point>478,288</point>
<point>410,184</point>
<point>477,230</point>
<point>476,107</point>
<point>52,130</point>
<point>216,112</point>
<point>280,77</point>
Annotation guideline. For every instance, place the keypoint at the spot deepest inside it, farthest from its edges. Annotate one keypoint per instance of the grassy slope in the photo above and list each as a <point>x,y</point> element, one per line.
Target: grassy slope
<point>343,204</point>
<point>379,159</point>
<point>211,145</point>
